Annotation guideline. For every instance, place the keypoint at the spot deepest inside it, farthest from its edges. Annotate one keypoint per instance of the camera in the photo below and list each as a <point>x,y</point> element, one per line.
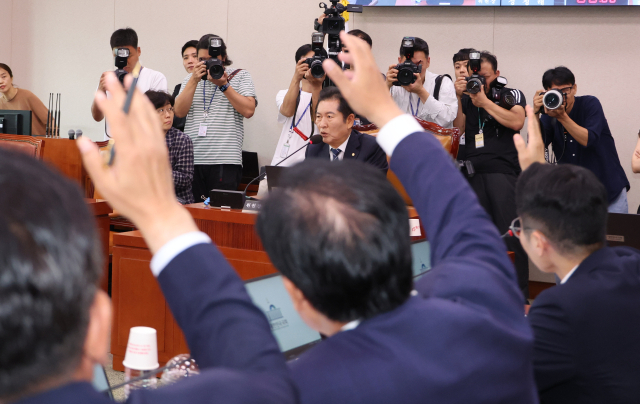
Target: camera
<point>122,56</point>
<point>506,100</point>
<point>553,99</point>
<point>214,66</point>
<point>475,82</point>
<point>407,69</point>
<point>333,23</point>
<point>315,62</point>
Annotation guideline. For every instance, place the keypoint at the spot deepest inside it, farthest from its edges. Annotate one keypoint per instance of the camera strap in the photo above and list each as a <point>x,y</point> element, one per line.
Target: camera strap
<point>204,100</point>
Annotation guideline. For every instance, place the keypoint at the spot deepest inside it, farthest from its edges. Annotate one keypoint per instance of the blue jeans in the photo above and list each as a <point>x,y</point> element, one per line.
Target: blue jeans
<point>620,205</point>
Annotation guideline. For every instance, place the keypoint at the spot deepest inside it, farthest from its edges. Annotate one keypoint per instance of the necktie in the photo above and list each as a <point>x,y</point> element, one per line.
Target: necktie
<point>336,153</point>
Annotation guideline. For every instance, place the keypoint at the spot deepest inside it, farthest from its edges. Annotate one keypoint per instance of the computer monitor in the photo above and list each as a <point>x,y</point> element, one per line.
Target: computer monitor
<point>273,176</point>
<point>15,122</point>
<point>421,258</point>
<point>293,335</point>
<point>100,381</point>
<point>622,230</point>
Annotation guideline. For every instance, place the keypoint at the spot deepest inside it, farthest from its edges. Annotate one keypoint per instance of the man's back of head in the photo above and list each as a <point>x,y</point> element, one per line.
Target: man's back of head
<point>567,203</point>
<point>50,265</point>
<point>339,232</point>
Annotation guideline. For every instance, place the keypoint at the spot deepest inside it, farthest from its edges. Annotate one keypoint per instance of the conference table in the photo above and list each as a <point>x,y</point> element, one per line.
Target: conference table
<point>136,295</point>
<point>101,211</point>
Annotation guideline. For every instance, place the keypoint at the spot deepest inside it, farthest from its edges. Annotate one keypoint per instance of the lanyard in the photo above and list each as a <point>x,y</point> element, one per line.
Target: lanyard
<point>481,123</point>
<point>414,113</point>
<point>294,128</point>
<point>301,116</point>
<point>204,100</point>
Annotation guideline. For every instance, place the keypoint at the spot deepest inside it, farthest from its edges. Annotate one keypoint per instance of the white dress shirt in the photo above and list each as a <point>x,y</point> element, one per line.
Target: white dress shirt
<point>341,147</point>
<point>567,276</point>
<point>442,111</point>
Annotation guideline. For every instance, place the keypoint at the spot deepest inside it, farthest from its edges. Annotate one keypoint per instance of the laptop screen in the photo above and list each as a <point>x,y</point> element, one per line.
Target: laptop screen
<point>421,257</point>
<point>292,334</point>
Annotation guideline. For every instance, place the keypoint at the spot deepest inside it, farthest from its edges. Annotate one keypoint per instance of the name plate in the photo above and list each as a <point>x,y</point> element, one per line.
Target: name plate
<point>619,239</point>
<point>251,206</point>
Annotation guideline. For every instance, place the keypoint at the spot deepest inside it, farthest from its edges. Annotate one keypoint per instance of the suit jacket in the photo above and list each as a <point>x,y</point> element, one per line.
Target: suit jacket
<point>587,338</point>
<point>360,147</point>
<point>462,337</point>
<point>227,334</point>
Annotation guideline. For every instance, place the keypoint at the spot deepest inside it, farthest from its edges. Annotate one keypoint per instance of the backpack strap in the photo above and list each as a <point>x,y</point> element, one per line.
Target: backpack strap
<point>436,89</point>
<point>233,74</point>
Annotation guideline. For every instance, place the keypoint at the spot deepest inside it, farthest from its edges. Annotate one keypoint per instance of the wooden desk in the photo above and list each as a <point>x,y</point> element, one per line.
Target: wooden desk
<point>101,212</point>
<point>63,154</point>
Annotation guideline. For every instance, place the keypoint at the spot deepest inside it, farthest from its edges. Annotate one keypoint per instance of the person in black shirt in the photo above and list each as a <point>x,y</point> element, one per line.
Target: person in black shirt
<point>189,60</point>
<point>460,67</point>
<point>489,127</point>
<point>580,135</point>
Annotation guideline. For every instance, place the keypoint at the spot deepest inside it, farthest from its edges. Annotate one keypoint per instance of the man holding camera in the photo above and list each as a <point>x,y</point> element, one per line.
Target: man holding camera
<point>296,107</point>
<point>460,69</point>
<point>127,38</point>
<point>215,100</point>
<point>580,133</point>
<point>490,115</point>
<point>416,90</point>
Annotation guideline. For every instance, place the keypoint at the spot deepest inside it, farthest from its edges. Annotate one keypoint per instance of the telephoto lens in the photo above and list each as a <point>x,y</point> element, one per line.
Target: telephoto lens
<point>316,68</point>
<point>553,99</point>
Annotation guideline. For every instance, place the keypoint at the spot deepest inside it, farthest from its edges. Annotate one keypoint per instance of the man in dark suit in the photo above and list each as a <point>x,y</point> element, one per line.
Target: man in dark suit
<point>54,320</point>
<point>338,232</point>
<point>587,343</point>
<point>334,119</point>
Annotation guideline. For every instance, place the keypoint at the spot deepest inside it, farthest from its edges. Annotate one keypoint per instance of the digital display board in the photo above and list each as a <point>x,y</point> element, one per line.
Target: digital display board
<point>496,3</point>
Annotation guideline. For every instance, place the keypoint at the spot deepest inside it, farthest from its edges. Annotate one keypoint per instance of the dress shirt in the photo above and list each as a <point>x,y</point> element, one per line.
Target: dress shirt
<point>181,158</point>
<point>342,147</point>
<point>175,247</point>
<point>567,276</point>
<point>395,131</point>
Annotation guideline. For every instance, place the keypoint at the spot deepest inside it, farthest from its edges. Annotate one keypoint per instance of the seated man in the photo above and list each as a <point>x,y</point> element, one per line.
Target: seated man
<point>55,321</point>
<point>334,119</point>
<point>586,341</point>
<point>338,232</point>
<point>179,145</point>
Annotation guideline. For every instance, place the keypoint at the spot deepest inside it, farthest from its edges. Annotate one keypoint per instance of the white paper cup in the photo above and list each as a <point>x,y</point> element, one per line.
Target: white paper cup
<point>142,349</point>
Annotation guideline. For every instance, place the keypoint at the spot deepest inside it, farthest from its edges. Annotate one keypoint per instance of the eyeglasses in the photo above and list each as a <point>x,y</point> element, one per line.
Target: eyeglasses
<point>564,90</point>
<point>516,227</point>
<point>163,110</point>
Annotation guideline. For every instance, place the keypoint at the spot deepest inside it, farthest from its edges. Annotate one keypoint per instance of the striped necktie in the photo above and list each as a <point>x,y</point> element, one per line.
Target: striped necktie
<point>336,153</point>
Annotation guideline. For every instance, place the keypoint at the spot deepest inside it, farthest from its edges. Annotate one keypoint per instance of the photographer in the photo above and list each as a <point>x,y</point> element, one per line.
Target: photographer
<point>460,68</point>
<point>189,59</point>
<point>490,147</point>
<point>215,110</point>
<point>147,80</point>
<point>296,107</point>
<point>429,97</point>
<point>580,133</point>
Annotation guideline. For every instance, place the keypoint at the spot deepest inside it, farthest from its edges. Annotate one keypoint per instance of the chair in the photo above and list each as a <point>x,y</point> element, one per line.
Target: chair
<point>23,144</point>
<point>449,138</point>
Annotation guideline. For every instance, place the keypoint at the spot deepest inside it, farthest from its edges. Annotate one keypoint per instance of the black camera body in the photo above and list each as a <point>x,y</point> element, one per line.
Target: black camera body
<point>507,100</point>
<point>407,69</point>
<point>333,23</point>
<point>214,66</point>
<point>315,62</point>
<point>122,56</point>
<point>475,81</point>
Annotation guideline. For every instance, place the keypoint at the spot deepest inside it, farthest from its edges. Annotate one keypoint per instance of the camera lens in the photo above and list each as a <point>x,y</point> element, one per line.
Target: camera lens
<point>553,99</point>
<point>216,71</point>
<point>474,86</point>
<point>120,74</point>
<point>316,69</point>
<point>406,77</point>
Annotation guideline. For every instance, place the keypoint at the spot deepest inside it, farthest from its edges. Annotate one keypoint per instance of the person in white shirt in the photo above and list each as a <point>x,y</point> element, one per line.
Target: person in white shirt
<point>148,80</point>
<point>296,107</point>
<point>424,99</point>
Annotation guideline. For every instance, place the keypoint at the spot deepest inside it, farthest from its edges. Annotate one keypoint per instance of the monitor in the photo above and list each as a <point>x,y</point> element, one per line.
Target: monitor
<point>622,230</point>
<point>421,257</point>
<point>100,381</point>
<point>496,3</point>
<point>15,122</point>
<point>273,176</point>
<point>292,334</point>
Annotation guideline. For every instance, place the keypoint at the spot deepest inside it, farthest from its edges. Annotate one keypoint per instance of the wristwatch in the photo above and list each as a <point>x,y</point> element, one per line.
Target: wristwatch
<point>224,88</point>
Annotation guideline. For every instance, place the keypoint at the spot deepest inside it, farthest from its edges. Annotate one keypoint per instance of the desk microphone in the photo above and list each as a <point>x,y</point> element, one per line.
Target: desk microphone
<point>315,139</point>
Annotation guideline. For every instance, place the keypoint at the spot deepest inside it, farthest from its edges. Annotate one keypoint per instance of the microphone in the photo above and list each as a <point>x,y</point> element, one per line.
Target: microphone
<point>72,134</point>
<point>315,139</point>
<point>79,133</point>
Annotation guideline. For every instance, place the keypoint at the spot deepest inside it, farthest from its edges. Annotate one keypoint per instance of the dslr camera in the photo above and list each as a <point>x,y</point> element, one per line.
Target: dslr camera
<point>475,82</point>
<point>333,22</point>
<point>407,69</point>
<point>507,100</point>
<point>122,55</point>
<point>214,66</point>
<point>553,99</point>
<point>315,62</point>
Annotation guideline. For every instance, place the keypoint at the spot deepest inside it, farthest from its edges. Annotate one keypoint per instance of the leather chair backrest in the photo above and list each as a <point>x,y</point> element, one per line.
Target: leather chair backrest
<point>23,144</point>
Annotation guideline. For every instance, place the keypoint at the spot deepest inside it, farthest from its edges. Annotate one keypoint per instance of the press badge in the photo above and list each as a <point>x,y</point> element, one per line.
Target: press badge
<point>479,140</point>
<point>285,150</point>
<point>202,131</point>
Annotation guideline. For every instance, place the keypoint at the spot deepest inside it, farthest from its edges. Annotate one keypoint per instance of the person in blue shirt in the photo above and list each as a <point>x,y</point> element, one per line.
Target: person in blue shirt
<point>580,135</point>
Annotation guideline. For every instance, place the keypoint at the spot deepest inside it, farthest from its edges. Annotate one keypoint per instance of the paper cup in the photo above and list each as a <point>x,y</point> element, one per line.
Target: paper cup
<point>142,349</point>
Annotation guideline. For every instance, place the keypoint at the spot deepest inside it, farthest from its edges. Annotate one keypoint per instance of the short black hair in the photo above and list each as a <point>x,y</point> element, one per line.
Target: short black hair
<point>559,76</point>
<point>341,238</point>
<point>419,44</point>
<point>303,50</point>
<point>565,202</point>
<point>203,43</point>
<point>190,44</point>
<point>486,56</point>
<point>462,55</point>
<point>332,93</point>
<point>7,68</point>
<point>159,98</point>
<point>124,37</point>
<point>362,35</point>
<point>50,265</point>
